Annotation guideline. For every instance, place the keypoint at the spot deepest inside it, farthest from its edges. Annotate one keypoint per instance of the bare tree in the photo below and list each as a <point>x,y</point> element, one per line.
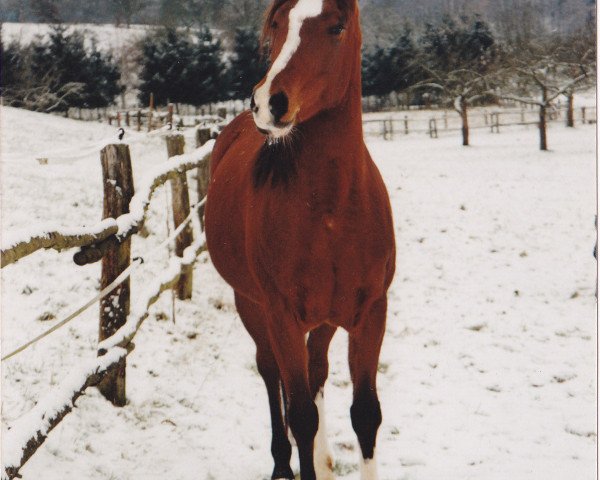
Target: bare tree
<point>539,78</point>
<point>462,88</point>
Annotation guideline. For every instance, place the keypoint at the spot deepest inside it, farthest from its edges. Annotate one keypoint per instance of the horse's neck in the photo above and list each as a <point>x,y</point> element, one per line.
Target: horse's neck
<point>340,128</point>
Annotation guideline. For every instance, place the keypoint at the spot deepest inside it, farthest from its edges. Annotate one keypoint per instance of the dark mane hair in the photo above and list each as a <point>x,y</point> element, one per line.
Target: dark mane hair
<point>266,34</point>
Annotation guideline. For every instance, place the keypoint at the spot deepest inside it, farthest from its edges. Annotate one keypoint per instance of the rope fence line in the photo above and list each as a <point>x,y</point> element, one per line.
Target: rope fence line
<point>94,241</point>
<point>106,371</point>
<point>125,274</point>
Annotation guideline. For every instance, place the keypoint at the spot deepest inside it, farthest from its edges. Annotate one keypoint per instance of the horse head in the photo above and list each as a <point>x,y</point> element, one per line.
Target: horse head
<point>314,53</point>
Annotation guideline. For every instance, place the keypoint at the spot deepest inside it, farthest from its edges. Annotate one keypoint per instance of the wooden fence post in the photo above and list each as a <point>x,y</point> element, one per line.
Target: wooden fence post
<point>127,119</point>
<point>119,119</point>
<point>405,124</point>
<point>114,307</point>
<point>433,128</point>
<point>202,136</point>
<point>139,120</point>
<point>170,114</point>
<point>181,209</point>
<point>583,115</point>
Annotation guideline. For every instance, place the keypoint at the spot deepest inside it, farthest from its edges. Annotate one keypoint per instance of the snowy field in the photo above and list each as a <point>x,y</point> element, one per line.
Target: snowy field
<point>488,366</point>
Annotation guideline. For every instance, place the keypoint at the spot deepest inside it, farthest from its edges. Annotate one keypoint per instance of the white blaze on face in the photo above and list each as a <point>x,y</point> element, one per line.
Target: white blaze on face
<point>304,9</point>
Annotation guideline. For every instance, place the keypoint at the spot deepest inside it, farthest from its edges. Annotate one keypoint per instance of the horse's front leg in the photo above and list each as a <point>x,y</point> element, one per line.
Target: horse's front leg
<point>318,370</point>
<point>289,347</point>
<point>255,322</point>
<point>363,353</point>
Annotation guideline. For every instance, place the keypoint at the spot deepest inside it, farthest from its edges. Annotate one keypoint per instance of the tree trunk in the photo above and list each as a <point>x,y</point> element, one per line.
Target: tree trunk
<point>542,125</point>
<point>570,113</point>
<point>465,121</point>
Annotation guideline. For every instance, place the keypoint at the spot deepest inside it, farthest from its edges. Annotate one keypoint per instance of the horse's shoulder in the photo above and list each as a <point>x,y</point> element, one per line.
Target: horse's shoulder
<point>241,124</point>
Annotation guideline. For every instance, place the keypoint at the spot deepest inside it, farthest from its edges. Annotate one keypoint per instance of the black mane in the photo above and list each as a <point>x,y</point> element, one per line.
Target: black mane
<point>276,162</point>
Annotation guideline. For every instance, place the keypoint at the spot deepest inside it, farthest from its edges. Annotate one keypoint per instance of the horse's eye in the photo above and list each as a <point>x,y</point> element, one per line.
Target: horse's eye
<point>338,29</point>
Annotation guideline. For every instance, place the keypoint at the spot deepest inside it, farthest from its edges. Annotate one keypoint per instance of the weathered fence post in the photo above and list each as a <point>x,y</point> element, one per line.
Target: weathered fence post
<point>433,128</point>
<point>583,115</point>
<point>139,120</point>
<point>391,129</point>
<point>150,108</point>
<point>170,114</point>
<point>445,120</point>
<point>114,307</point>
<point>127,119</point>
<point>222,112</point>
<point>202,136</point>
<point>119,119</point>
<point>181,209</point>
<point>405,124</point>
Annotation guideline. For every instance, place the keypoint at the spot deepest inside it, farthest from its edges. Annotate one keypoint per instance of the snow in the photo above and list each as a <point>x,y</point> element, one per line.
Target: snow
<point>107,36</point>
<point>488,365</point>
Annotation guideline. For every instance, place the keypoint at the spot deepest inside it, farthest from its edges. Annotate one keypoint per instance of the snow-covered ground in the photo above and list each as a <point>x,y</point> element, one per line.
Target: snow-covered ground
<point>487,369</point>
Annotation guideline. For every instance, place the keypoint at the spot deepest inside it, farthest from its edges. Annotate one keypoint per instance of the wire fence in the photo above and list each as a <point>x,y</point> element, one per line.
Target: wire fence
<point>107,371</point>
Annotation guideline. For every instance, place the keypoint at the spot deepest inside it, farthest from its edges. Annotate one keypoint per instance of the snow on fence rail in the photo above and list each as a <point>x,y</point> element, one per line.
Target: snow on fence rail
<point>25,435</point>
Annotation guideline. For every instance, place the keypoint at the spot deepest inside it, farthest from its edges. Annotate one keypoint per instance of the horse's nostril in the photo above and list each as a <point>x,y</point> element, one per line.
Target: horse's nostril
<point>253,106</point>
<point>278,105</point>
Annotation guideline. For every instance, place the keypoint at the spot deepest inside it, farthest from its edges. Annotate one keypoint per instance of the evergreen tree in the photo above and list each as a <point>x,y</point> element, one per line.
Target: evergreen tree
<point>58,73</point>
<point>206,76</point>
<point>247,64</point>
<point>181,69</point>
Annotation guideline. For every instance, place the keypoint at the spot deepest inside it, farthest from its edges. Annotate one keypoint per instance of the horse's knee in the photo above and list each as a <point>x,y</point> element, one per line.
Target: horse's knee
<point>366,418</point>
<point>304,421</point>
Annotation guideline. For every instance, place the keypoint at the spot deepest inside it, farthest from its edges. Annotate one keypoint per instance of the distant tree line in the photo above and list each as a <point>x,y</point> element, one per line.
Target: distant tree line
<point>455,61</point>
<point>174,65</point>
<point>459,62</point>
<point>57,72</point>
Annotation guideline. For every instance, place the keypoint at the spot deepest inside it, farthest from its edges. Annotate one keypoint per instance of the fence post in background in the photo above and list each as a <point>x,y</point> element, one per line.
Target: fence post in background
<point>583,115</point>
<point>181,209</point>
<point>139,120</point>
<point>127,119</point>
<point>522,115</point>
<point>405,124</point>
<point>433,128</point>
<point>114,307</point>
<point>119,119</point>
<point>495,122</point>
<point>150,108</point>
<point>391,129</point>
<point>110,119</point>
<point>445,120</point>
<point>222,112</point>
<point>170,114</point>
<point>202,136</point>
<point>485,118</point>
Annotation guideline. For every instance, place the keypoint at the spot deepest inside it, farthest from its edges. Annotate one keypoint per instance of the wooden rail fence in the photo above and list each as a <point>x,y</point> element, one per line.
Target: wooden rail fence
<point>124,214</point>
<point>449,122</point>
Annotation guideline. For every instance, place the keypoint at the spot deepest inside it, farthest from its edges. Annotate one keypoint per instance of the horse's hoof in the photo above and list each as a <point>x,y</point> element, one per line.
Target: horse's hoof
<point>282,473</point>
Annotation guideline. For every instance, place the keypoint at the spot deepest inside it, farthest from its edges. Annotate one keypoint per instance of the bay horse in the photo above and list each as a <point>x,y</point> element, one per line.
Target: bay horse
<point>298,222</point>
